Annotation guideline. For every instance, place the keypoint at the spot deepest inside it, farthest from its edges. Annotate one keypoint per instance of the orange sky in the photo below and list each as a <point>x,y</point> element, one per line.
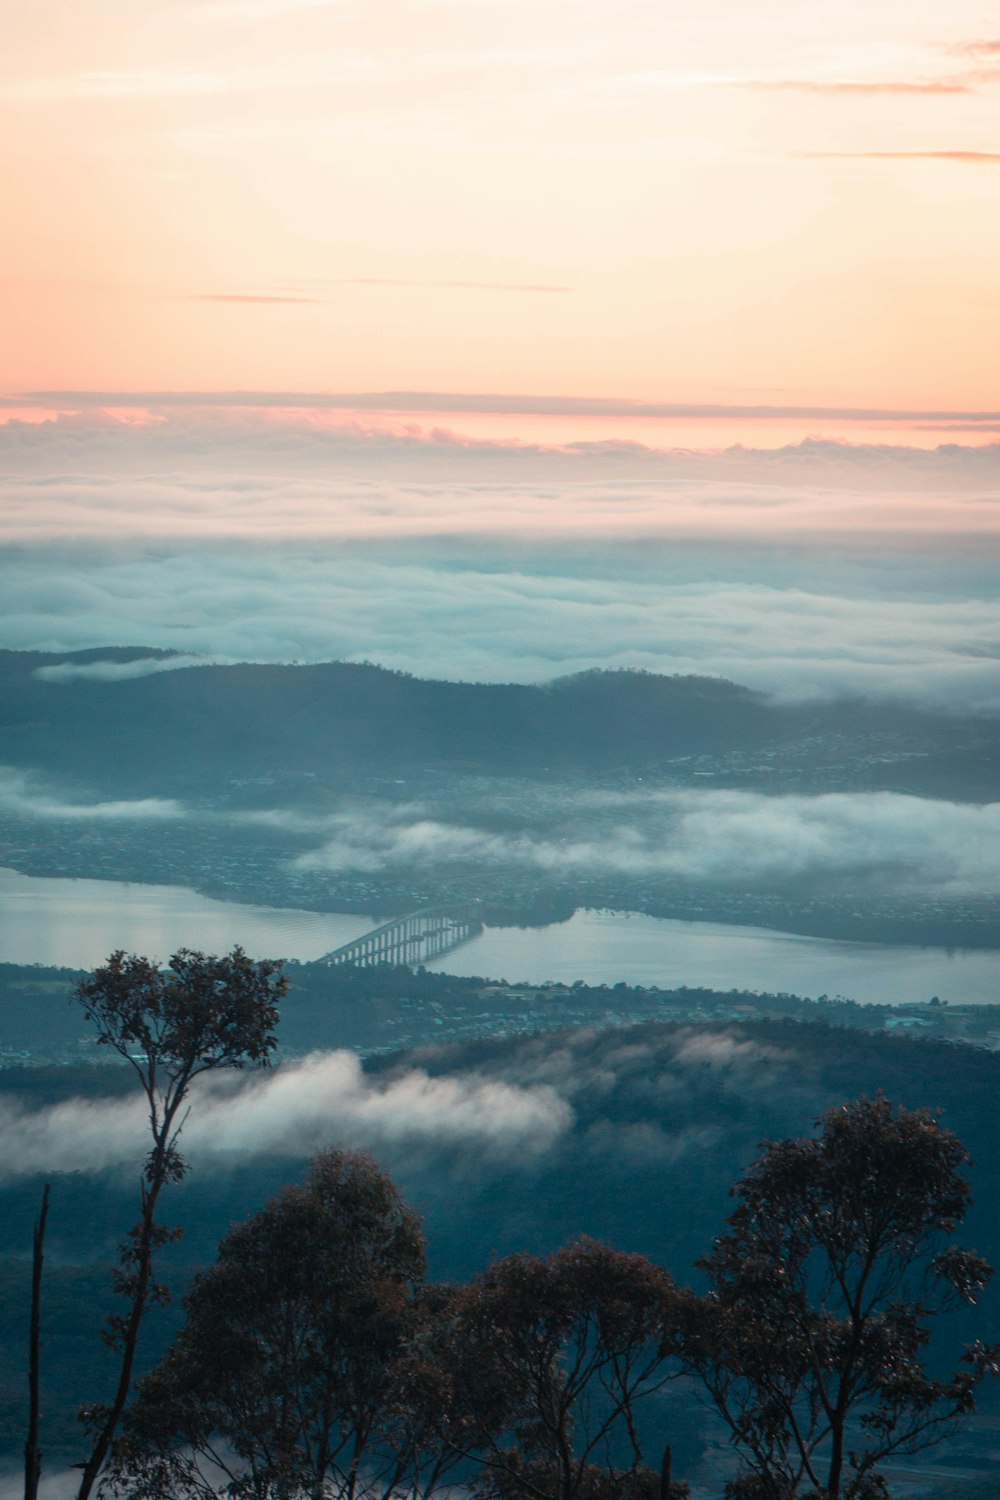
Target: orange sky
<point>711,203</point>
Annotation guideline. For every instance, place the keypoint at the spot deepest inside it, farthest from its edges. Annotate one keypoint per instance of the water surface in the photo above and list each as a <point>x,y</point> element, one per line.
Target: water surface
<point>79,922</point>
<point>602,947</point>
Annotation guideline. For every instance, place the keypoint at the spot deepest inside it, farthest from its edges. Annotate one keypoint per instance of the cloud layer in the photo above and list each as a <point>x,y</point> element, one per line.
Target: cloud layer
<point>920,844</point>
<point>115,671</point>
<point>190,473</point>
<point>728,836</point>
<point>914,627</point>
<point>811,570</point>
<point>19,794</point>
<point>294,1111</point>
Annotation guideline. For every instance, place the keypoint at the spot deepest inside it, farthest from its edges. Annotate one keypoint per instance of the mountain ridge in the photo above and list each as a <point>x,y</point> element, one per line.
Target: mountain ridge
<point>209,725</point>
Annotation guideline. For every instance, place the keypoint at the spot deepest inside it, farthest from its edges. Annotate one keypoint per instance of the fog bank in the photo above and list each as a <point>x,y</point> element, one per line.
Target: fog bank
<point>294,1111</point>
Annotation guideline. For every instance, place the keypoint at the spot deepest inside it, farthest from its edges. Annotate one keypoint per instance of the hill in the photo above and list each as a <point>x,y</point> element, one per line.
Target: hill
<point>661,1120</point>
<point>203,729</point>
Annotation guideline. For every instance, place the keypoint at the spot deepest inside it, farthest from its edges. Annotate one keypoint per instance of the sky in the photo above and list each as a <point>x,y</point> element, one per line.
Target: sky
<point>493,339</point>
<point>783,205</point>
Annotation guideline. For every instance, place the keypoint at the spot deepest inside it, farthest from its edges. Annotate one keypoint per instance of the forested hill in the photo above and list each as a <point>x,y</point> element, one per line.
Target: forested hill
<point>207,726</point>
<point>663,1119</point>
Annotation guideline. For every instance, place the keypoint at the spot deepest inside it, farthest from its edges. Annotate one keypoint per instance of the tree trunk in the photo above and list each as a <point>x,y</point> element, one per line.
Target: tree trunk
<point>32,1456</point>
<point>836,1470</point>
<point>130,1335</point>
<point>665,1472</point>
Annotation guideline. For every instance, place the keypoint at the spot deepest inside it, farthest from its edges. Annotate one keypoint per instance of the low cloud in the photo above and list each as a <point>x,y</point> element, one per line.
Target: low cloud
<point>814,570</point>
<point>640,1093</point>
<point>294,1111</point>
<point>727,1053</point>
<point>381,469</point>
<point>20,795</point>
<point>116,671</point>
<point>603,490</point>
<point>183,476</point>
<point>918,844</point>
<point>916,625</point>
<point>587,1066</point>
<point>715,836</point>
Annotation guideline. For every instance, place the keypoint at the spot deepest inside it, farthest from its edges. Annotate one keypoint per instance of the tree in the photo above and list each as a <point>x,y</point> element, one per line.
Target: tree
<point>812,1340</point>
<point>32,1452</point>
<point>200,1014</point>
<point>298,1369</point>
<point>551,1358</point>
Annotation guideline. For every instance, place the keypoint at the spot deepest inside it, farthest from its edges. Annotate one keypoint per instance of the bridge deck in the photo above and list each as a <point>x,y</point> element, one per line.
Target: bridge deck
<point>410,939</point>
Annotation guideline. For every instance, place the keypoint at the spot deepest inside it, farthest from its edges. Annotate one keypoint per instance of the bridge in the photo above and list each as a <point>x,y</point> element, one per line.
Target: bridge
<point>412,939</point>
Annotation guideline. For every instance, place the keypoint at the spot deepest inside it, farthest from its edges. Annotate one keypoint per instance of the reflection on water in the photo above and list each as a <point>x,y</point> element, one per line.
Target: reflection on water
<point>602,947</point>
<point>79,922</point>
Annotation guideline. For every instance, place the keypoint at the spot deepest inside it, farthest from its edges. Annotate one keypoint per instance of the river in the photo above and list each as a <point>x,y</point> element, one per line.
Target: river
<point>79,922</point>
<point>602,947</point>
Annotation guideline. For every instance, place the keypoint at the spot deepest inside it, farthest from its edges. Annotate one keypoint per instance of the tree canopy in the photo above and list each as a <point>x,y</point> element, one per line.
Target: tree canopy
<point>559,1352</point>
<point>315,1360</point>
<point>284,1377</point>
<point>814,1337</point>
<point>171,1025</point>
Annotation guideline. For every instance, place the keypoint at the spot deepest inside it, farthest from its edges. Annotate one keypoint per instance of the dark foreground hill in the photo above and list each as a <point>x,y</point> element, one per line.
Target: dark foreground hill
<point>663,1119</point>
<point>202,729</point>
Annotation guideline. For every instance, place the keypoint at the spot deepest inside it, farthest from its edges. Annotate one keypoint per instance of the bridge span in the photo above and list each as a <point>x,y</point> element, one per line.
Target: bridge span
<point>411,939</point>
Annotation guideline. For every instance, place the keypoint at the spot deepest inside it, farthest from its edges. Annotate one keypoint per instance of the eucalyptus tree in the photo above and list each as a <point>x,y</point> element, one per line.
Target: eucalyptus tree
<point>824,1289</point>
<point>302,1368</point>
<point>170,1025</point>
<point>554,1358</point>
